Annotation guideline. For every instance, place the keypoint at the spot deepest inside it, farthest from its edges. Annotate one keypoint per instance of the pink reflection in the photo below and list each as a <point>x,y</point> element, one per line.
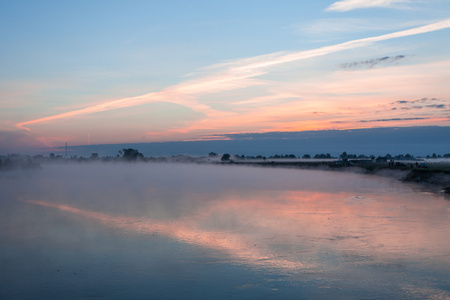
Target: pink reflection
<point>290,230</point>
<point>239,247</point>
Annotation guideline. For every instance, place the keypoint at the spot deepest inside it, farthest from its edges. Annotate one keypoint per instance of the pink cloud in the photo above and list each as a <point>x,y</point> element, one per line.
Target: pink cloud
<point>241,74</point>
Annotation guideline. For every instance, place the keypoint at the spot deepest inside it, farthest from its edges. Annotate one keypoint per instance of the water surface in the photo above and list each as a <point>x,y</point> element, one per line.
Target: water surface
<point>139,231</point>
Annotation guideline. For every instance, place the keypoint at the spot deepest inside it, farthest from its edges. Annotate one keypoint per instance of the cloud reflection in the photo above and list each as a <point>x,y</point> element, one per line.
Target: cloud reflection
<point>292,229</point>
<point>239,247</point>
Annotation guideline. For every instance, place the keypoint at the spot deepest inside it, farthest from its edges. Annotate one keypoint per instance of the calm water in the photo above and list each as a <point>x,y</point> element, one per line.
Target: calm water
<point>162,231</point>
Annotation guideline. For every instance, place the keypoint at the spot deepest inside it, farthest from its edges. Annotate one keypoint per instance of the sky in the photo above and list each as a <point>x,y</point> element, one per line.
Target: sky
<point>105,72</point>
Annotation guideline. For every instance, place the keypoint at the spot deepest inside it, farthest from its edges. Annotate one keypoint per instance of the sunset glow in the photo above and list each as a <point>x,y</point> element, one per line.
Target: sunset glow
<point>127,88</point>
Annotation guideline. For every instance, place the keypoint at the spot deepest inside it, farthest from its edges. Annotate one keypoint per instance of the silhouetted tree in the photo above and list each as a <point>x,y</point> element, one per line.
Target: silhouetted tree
<point>131,154</point>
<point>225,157</point>
<point>322,155</point>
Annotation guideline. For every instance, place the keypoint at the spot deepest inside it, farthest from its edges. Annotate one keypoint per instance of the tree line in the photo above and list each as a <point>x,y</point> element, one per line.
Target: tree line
<point>16,161</point>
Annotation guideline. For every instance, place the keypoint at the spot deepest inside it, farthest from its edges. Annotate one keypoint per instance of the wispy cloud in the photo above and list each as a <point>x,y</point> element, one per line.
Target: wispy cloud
<point>229,76</point>
<point>370,63</point>
<point>347,5</point>
<point>430,103</point>
<point>421,100</point>
<point>439,106</point>
<point>328,28</point>
<point>418,111</point>
<point>271,99</point>
<point>392,121</point>
<point>331,26</point>
<point>389,120</point>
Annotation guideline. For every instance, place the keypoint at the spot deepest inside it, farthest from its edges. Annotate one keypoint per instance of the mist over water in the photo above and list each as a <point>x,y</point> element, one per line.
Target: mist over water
<point>150,230</point>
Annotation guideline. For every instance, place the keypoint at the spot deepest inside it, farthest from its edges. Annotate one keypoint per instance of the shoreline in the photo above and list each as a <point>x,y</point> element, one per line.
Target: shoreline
<point>434,179</point>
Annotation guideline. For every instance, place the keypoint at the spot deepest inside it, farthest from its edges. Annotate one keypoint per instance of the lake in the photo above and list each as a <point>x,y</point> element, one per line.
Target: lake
<point>171,231</point>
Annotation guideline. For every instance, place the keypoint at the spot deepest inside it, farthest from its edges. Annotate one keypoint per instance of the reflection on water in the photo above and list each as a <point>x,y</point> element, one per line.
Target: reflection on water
<point>237,245</point>
<point>173,231</point>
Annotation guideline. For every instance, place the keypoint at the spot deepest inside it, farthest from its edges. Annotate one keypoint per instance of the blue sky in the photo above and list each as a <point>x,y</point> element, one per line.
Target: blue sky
<point>71,70</point>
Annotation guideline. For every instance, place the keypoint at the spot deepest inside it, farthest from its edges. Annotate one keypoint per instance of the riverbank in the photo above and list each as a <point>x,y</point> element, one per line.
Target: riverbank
<point>434,174</point>
<point>434,177</point>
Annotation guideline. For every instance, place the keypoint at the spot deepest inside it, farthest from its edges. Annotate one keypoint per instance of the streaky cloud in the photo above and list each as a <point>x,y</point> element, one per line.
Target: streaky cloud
<point>437,106</point>
<point>330,28</point>
<point>392,119</point>
<point>370,63</point>
<point>424,102</point>
<point>229,76</point>
<point>347,5</point>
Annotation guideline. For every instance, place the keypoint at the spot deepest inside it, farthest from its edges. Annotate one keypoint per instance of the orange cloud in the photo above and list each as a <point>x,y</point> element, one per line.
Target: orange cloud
<point>229,76</point>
